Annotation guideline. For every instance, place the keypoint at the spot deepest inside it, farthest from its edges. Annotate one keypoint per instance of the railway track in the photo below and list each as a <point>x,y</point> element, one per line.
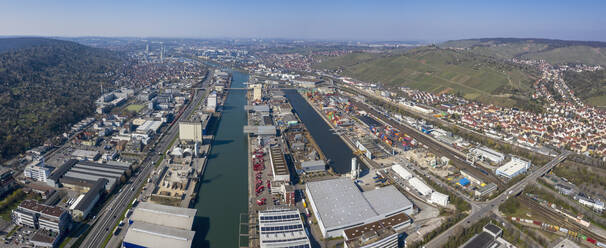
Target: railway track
<point>436,148</point>
<point>558,219</point>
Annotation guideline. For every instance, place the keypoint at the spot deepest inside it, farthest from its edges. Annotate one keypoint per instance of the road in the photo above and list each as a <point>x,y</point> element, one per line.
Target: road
<point>480,210</point>
<point>106,219</point>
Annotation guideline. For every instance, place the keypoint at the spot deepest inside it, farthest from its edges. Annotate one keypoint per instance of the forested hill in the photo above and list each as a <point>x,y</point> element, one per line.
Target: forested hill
<point>45,86</point>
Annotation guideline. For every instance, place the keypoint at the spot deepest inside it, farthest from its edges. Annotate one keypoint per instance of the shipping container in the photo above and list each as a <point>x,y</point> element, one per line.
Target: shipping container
<point>538,223</point>
<point>593,241</point>
<point>600,244</point>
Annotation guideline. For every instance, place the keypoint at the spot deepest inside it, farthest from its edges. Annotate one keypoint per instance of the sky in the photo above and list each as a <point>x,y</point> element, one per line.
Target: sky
<point>403,20</point>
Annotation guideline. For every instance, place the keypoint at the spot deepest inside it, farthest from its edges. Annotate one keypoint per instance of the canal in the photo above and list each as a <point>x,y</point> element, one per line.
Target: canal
<point>223,193</point>
<point>332,145</point>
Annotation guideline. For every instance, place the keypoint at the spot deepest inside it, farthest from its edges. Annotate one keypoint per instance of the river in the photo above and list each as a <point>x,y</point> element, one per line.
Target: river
<point>332,145</point>
<point>223,192</point>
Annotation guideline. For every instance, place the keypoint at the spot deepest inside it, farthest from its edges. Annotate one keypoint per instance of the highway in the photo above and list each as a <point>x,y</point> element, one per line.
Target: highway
<point>484,209</point>
<point>106,219</point>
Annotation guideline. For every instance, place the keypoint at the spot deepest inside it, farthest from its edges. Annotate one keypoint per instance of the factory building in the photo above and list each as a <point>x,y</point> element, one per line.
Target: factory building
<point>86,202</point>
<point>313,165</point>
<point>257,92</point>
<point>473,179</point>
<point>279,168</point>
<point>85,155</point>
<point>485,153</point>
<point>439,198</point>
<point>514,167</point>
<point>37,171</point>
<point>39,216</point>
<point>420,186</point>
<point>211,102</point>
<point>176,217</point>
<point>369,147</point>
<point>491,236</point>
<point>382,233</point>
<point>156,225</point>
<point>340,205</point>
<point>260,130</point>
<point>282,228</point>
<point>401,171</point>
<point>193,131</point>
<point>81,176</point>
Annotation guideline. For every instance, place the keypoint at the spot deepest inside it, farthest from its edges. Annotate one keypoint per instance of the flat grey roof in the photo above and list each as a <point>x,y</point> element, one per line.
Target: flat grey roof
<point>339,202</point>
<point>386,200</point>
<point>91,194</point>
<point>152,235</point>
<point>176,217</point>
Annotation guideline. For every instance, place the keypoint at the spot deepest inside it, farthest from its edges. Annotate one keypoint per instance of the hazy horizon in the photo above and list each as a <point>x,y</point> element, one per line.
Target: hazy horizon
<point>310,20</point>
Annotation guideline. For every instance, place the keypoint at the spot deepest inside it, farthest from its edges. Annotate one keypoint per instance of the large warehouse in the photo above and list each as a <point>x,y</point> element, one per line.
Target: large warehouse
<point>514,167</point>
<point>164,215</point>
<point>339,205</point>
<point>282,228</point>
<point>156,225</point>
<point>279,168</point>
<point>83,175</point>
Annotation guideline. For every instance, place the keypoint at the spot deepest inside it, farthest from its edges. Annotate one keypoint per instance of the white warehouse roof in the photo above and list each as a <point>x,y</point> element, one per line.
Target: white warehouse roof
<point>420,186</point>
<point>399,169</point>
<point>513,167</point>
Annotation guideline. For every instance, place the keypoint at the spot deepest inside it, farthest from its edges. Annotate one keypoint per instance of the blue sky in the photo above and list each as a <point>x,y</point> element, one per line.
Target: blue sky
<point>431,20</point>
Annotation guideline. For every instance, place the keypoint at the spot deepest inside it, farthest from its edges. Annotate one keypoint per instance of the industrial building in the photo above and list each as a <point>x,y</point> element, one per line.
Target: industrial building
<point>340,205</point>
<point>486,190</point>
<point>401,171</point>
<point>485,153</point>
<point>85,155</point>
<point>156,225</point>
<point>471,178</point>
<point>563,189</point>
<point>143,234</point>
<point>313,165</point>
<point>81,176</point>
<point>439,198</point>
<point>211,102</point>
<point>279,168</point>
<point>382,233</point>
<point>369,147</point>
<point>148,129</point>
<point>86,202</point>
<point>491,236</point>
<point>257,92</point>
<point>260,130</point>
<point>514,167</point>
<point>39,216</point>
<point>193,131</point>
<point>420,186</point>
<point>176,217</point>
<point>282,228</point>
<point>7,182</point>
<point>37,171</point>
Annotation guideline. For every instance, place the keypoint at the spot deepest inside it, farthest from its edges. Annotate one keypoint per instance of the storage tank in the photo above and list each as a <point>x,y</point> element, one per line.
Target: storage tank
<point>354,168</point>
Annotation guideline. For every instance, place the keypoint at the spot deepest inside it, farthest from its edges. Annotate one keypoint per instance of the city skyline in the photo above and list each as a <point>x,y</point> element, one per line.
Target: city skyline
<point>387,21</point>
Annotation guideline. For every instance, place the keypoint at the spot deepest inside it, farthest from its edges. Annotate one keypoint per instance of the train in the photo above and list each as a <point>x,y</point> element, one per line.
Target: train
<point>555,228</point>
